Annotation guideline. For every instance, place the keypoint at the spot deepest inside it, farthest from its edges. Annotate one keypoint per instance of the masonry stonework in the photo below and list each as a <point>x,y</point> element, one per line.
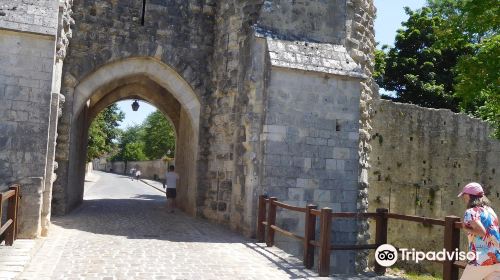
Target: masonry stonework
<point>28,32</point>
<point>360,43</point>
<point>421,160</point>
<point>266,97</point>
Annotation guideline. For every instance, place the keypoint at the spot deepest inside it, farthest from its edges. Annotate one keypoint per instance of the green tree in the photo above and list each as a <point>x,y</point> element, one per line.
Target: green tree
<point>419,71</point>
<point>477,80</point>
<point>380,64</point>
<point>159,136</point>
<point>134,151</point>
<point>103,132</point>
<point>131,145</point>
<point>467,20</point>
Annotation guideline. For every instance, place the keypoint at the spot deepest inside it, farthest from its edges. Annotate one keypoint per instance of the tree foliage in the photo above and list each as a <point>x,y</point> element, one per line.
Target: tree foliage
<point>447,56</point>
<point>131,145</point>
<point>134,151</point>
<point>380,64</point>
<point>159,136</point>
<point>151,140</point>
<point>103,132</point>
<point>477,77</point>
<point>416,69</point>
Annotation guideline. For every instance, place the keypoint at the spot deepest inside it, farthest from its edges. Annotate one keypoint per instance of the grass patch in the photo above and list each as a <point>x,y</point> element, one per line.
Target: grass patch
<point>414,276</point>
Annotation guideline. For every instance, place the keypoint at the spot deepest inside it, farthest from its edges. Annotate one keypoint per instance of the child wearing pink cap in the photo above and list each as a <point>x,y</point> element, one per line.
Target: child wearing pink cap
<point>481,224</point>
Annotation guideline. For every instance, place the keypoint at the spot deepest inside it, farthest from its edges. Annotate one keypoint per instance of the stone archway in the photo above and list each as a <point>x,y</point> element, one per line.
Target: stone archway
<point>143,78</point>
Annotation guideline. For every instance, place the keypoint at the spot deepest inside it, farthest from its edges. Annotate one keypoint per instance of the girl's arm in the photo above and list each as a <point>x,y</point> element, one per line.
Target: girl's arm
<point>476,227</point>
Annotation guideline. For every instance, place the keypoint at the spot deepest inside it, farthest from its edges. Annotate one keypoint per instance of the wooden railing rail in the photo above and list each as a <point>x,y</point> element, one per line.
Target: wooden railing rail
<point>8,230</point>
<point>266,229</point>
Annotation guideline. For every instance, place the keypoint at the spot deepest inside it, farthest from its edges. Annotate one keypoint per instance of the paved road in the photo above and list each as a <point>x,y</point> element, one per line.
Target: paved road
<point>122,231</point>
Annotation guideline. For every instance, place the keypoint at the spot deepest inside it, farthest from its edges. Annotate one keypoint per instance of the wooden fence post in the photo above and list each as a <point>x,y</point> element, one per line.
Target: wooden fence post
<point>261,230</point>
<point>451,242</point>
<point>309,235</point>
<point>381,234</point>
<point>324,241</point>
<point>271,220</point>
<point>10,234</point>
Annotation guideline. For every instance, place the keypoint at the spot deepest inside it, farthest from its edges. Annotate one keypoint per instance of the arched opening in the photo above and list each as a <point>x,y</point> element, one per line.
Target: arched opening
<point>136,78</point>
<point>122,138</point>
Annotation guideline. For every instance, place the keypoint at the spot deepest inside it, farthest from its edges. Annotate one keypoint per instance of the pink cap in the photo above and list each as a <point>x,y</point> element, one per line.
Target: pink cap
<point>472,188</point>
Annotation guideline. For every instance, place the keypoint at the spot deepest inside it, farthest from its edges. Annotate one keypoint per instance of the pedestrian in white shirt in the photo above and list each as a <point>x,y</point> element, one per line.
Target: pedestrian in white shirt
<point>138,174</point>
<point>171,179</point>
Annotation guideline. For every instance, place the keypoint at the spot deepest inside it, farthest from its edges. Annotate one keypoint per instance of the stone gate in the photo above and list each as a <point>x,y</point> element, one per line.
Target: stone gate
<point>265,96</point>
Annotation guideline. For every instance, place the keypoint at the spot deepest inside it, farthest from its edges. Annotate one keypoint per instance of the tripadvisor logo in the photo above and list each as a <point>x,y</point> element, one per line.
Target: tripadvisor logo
<point>386,255</point>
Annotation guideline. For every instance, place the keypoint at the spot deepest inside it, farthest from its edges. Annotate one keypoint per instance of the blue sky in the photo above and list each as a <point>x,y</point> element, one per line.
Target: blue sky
<point>131,117</point>
<point>390,14</point>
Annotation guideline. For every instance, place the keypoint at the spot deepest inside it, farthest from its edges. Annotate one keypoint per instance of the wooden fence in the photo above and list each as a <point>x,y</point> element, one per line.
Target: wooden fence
<point>266,228</point>
<point>8,230</point>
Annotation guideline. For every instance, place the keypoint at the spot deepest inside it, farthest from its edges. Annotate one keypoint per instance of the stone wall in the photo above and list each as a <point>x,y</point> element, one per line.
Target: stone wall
<point>30,16</point>
<point>236,61</point>
<point>148,168</point>
<point>310,156</point>
<point>27,54</point>
<point>176,33</point>
<point>360,43</point>
<point>239,106</point>
<point>314,20</point>
<point>421,160</point>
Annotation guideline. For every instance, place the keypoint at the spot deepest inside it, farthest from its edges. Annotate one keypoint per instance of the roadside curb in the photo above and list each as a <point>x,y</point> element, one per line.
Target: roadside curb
<point>145,182</point>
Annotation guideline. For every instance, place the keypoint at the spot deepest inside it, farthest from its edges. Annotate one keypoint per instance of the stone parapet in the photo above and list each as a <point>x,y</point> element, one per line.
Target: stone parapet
<point>421,160</point>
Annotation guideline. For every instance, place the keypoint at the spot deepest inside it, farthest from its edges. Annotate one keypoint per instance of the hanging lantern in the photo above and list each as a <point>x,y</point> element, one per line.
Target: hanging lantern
<point>135,105</point>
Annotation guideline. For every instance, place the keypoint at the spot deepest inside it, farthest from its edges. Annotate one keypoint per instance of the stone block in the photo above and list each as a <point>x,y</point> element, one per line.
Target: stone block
<point>322,195</point>
<point>341,153</point>
<point>276,148</point>
<point>335,206</point>
<point>272,160</point>
<point>279,129</point>
<point>353,136</point>
<point>272,137</point>
<point>286,160</point>
<point>331,164</point>
<point>298,161</point>
<point>340,165</point>
<point>296,194</point>
<point>318,163</point>
<point>348,207</point>
<point>307,183</point>
<point>307,163</point>
<point>325,152</point>
<point>280,192</point>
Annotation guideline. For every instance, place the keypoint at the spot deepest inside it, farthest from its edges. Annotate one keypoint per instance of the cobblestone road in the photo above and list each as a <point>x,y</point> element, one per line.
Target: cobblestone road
<point>122,231</point>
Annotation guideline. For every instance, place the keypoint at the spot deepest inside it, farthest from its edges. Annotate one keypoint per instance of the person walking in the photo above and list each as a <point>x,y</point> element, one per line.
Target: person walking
<point>171,178</point>
<point>481,224</point>
<point>137,174</point>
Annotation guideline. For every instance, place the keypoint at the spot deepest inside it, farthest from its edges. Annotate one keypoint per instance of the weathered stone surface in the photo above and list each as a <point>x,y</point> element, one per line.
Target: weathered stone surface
<point>33,16</point>
<point>265,97</point>
<point>421,160</point>
<point>309,56</point>
<point>315,20</point>
<point>360,43</point>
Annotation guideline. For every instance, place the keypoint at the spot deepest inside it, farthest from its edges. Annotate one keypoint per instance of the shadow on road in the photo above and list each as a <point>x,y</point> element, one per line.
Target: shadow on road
<point>144,217</point>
